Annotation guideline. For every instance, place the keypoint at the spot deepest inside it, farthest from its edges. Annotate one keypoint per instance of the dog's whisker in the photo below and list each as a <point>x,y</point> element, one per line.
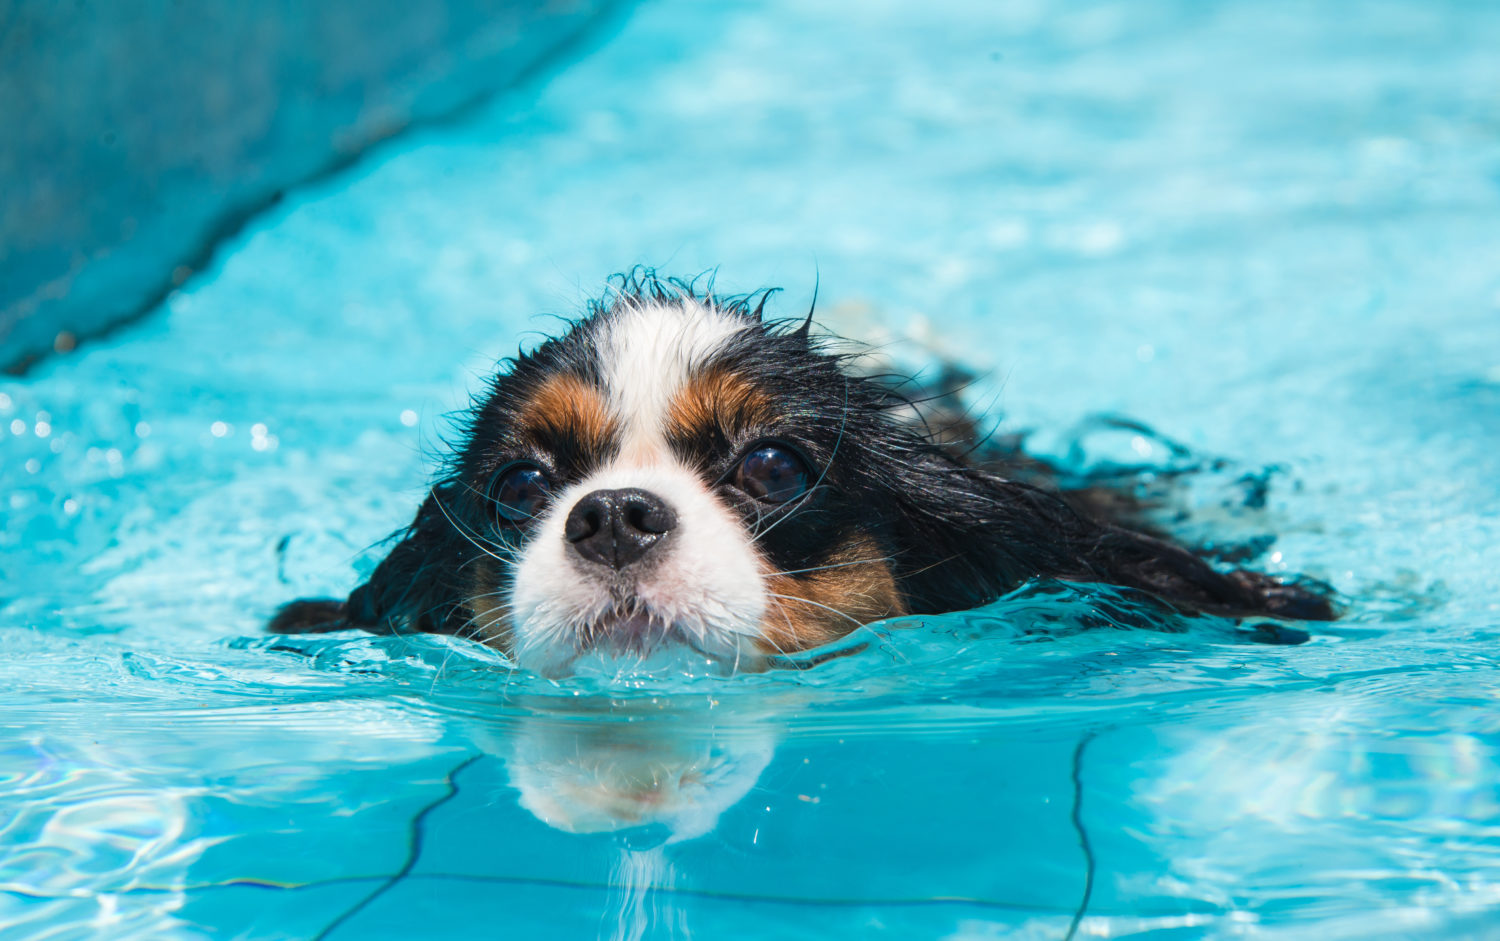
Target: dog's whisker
<point>500,611</point>
<point>463,531</point>
<point>818,604</point>
<point>835,565</point>
<point>486,498</point>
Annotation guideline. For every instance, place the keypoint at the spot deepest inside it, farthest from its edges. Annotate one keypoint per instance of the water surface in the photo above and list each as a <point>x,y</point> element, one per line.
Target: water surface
<point>1269,231</point>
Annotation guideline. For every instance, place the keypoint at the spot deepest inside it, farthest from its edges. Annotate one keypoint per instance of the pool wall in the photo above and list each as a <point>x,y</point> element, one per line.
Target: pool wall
<point>139,135</point>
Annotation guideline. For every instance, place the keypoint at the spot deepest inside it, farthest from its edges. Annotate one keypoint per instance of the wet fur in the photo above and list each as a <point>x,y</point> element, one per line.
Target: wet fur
<point>948,520</point>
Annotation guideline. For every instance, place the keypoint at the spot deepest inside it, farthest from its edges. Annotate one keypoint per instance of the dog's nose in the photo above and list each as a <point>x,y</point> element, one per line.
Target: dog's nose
<point>618,527</point>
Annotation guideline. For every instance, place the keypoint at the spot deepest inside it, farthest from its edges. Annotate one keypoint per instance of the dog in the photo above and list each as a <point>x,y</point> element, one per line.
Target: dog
<point>677,469</point>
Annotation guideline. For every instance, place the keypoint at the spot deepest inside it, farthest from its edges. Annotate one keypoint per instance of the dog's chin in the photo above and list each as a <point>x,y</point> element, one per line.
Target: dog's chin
<point>636,643</point>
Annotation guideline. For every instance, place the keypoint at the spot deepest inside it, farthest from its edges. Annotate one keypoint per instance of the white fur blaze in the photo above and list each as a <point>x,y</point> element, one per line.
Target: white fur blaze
<point>648,354</point>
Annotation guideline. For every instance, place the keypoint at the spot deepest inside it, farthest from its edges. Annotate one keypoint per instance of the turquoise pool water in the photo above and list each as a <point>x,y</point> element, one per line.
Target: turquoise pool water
<point>1270,231</point>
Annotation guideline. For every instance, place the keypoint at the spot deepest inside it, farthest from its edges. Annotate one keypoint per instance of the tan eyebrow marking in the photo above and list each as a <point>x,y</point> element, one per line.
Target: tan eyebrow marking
<point>718,399</point>
<point>568,408</point>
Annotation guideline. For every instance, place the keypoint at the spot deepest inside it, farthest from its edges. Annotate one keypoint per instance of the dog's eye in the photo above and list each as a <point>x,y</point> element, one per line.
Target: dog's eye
<point>518,492</point>
<point>773,474</point>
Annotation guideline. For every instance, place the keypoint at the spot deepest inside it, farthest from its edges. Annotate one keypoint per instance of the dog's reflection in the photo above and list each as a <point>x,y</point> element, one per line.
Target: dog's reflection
<point>658,775</point>
<point>654,776</point>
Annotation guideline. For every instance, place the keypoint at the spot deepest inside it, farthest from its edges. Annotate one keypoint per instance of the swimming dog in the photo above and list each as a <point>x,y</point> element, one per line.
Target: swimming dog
<point>677,468</point>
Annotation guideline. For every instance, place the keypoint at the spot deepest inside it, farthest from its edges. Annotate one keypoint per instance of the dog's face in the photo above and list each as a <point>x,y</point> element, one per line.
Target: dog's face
<point>672,470</point>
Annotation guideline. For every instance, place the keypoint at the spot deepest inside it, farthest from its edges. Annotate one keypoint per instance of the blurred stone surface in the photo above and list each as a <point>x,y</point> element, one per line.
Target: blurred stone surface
<point>136,133</point>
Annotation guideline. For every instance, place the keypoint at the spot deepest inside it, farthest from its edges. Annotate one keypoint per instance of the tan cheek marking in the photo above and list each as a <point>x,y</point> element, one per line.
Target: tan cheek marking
<point>489,617</point>
<point>861,589</point>
<point>565,406</point>
<point>718,399</point>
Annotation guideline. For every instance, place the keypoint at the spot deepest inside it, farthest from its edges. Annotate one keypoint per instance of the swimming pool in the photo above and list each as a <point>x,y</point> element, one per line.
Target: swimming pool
<point>1268,231</point>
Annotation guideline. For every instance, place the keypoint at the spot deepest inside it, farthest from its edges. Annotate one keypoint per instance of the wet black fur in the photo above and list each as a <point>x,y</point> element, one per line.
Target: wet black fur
<point>960,525</point>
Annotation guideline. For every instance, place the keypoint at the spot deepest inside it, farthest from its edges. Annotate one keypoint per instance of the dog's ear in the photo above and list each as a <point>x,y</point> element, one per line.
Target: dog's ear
<point>413,589</point>
<point>950,550</point>
<point>964,537</point>
<point>1175,575</point>
<point>310,616</point>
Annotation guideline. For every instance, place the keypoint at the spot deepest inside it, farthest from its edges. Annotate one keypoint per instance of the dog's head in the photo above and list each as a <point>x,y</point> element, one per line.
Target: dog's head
<point>675,468</point>
<point>678,469</point>
<point>670,470</point>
